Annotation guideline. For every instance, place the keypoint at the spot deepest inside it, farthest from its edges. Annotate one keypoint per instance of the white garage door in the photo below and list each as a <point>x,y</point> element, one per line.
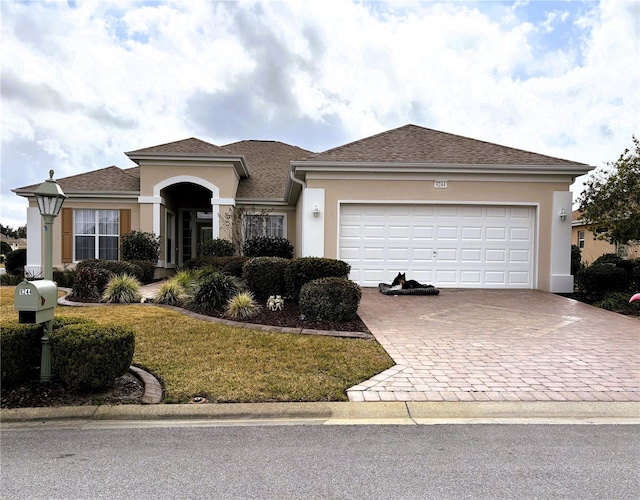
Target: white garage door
<point>466,246</point>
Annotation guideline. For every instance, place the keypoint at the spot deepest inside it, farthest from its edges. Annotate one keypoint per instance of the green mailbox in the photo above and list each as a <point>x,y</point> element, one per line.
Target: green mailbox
<point>35,301</point>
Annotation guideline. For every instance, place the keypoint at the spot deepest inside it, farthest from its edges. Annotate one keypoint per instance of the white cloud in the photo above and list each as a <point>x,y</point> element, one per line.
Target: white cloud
<point>82,85</point>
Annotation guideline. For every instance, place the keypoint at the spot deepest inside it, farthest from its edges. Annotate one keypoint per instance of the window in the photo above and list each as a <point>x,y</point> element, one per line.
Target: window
<point>580,239</point>
<point>96,234</point>
<point>264,225</point>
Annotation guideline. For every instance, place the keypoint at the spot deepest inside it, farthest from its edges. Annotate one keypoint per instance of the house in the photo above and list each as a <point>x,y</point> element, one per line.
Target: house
<point>584,236</point>
<point>447,210</point>
<point>14,243</point>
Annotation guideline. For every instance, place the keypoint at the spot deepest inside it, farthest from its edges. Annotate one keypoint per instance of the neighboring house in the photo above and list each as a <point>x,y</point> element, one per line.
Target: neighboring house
<point>584,235</point>
<point>445,209</point>
<point>14,243</point>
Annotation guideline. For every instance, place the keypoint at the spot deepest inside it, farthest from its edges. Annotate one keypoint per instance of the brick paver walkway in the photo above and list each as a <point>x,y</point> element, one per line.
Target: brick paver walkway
<point>500,345</point>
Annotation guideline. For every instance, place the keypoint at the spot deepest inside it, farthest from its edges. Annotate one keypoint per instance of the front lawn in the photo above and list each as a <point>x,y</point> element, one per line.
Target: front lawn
<point>229,364</point>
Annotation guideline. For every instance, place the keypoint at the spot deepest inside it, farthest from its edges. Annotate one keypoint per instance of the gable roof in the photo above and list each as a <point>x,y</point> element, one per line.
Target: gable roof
<point>414,144</point>
<point>269,163</point>
<point>110,179</point>
<point>191,146</point>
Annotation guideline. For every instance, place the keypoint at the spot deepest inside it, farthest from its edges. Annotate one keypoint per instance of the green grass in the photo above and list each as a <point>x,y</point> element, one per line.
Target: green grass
<point>228,364</point>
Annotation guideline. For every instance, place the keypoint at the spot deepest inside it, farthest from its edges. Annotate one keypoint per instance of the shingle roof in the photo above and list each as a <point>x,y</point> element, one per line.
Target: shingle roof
<point>414,144</point>
<point>186,146</point>
<point>110,179</point>
<point>269,166</point>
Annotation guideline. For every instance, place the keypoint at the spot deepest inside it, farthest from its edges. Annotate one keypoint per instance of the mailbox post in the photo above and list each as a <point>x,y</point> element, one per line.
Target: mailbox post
<point>50,197</point>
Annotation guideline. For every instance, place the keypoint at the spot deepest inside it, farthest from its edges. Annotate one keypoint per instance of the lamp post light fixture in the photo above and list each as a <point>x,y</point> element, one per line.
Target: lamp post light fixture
<point>50,198</point>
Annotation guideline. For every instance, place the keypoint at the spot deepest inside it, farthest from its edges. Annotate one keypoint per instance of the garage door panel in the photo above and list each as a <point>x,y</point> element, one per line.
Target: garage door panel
<point>445,245</point>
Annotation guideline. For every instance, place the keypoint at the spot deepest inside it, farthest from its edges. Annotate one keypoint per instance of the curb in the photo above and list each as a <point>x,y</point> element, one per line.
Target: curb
<point>152,388</point>
<point>341,413</point>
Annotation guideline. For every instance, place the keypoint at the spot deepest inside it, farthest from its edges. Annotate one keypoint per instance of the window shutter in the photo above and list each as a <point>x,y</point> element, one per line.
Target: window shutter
<point>125,223</point>
<point>67,235</point>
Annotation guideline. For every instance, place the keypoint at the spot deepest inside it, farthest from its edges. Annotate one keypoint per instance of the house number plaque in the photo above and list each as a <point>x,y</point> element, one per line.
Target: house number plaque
<point>440,184</point>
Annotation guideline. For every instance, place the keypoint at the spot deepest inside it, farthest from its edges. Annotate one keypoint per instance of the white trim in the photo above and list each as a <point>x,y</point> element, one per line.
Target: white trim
<point>151,199</point>
<point>223,201</point>
<point>191,179</point>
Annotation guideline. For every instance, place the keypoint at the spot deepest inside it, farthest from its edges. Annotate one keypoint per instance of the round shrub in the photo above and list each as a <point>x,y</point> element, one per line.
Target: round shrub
<point>90,283</point>
<point>268,246</point>
<point>216,247</point>
<point>330,299</point>
<point>304,269</point>
<point>140,245</point>
<point>595,281</point>
<point>242,306</point>
<point>264,276</point>
<point>88,357</point>
<point>234,266</point>
<point>20,353</point>
<point>211,290</point>
<point>147,270</point>
<point>15,261</point>
<point>122,289</point>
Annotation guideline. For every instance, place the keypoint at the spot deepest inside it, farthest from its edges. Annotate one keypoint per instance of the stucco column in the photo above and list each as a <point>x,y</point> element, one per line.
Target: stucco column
<point>561,278</point>
<point>215,214</point>
<point>313,223</point>
<point>34,239</point>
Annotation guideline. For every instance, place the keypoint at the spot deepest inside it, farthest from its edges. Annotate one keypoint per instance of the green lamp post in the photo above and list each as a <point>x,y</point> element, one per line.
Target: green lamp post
<point>50,197</point>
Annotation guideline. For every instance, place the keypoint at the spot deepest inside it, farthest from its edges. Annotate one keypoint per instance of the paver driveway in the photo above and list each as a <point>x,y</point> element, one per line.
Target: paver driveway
<point>500,345</point>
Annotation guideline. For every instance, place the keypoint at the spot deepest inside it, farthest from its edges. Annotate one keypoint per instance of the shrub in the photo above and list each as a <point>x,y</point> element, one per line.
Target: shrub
<point>208,261</point>
<point>147,268</point>
<point>20,353</point>
<point>122,289</point>
<point>576,259</point>
<point>10,279</point>
<point>90,283</point>
<point>618,302</point>
<point>264,276</point>
<point>139,245</point>
<point>595,281</point>
<point>216,247</point>
<point>242,306</point>
<point>608,258</point>
<point>91,356</point>
<point>15,261</point>
<point>184,278</point>
<point>304,269</point>
<point>5,248</point>
<point>330,299</point>
<point>171,293</point>
<point>114,266</point>
<point>234,267</point>
<point>211,290</point>
<point>268,246</point>
<point>64,277</point>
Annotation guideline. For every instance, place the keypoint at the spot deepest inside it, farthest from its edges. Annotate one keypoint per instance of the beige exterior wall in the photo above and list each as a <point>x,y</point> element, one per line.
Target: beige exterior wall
<point>222,175</point>
<point>417,190</point>
<point>86,205</point>
<point>594,248</point>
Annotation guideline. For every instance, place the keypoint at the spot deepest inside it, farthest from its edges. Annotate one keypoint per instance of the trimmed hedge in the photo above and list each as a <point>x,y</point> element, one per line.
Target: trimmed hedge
<point>330,299</point>
<point>268,246</point>
<point>118,267</point>
<point>22,348</point>
<point>90,356</point>
<point>140,245</point>
<point>15,261</point>
<point>148,270</point>
<point>20,353</point>
<point>264,276</point>
<point>209,261</point>
<point>305,269</point>
<point>216,247</point>
<point>595,281</point>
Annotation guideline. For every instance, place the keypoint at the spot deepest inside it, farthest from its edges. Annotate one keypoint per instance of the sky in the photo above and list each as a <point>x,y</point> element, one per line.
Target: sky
<point>85,81</point>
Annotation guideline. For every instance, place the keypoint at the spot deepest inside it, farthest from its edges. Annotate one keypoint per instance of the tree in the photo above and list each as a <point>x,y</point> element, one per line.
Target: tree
<point>611,199</point>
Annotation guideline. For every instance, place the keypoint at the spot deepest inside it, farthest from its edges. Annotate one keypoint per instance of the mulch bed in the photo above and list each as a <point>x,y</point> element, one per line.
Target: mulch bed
<point>126,390</point>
